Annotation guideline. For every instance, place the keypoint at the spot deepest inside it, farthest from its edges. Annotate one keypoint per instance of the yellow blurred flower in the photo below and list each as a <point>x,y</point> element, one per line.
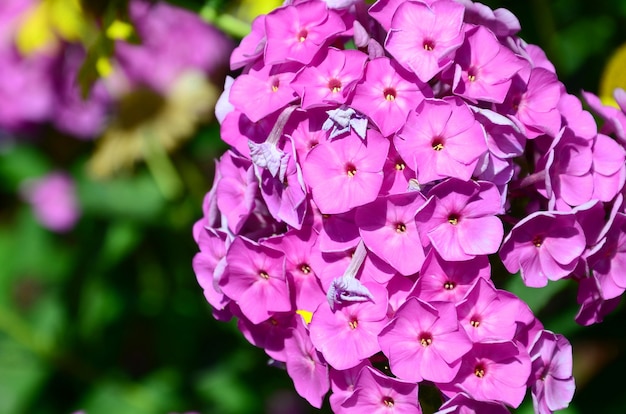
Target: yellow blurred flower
<point>613,76</point>
<point>148,125</point>
<point>249,9</point>
<point>47,21</point>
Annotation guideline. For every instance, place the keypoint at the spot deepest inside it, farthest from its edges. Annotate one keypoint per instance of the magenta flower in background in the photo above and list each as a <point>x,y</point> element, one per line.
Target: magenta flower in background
<point>54,201</point>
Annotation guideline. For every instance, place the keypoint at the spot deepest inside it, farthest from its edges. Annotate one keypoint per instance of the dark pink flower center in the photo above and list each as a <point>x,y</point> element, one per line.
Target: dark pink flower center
<point>264,274</point>
<point>475,321</point>
<point>302,35</point>
<point>350,169</point>
<point>400,165</point>
<point>449,285</point>
<point>388,401</point>
<point>353,324</point>
<point>390,94</point>
<point>400,227</point>
<point>305,268</point>
<point>275,84</point>
<point>453,219</point>
<point>429,45</point>
<point>425,339</point>
<point>334,85</point>
<point>479,370</point>
<point>471,74</point>
<point>437,143</point>
<point>538,241</point>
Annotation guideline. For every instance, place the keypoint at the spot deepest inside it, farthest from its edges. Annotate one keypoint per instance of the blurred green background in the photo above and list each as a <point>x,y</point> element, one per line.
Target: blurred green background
<point>109,318</point>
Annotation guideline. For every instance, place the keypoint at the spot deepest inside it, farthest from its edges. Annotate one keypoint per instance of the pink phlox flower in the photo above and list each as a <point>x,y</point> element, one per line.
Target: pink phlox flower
<point>593,308</point>
<point>484,68</point>
<point>445,281</point>
<point>54,201</point>
<point>608,169</point>
<point>262,92</point>
<point>383,10</point>
<point>349,334</point>
<point>331,80</point>
<point>342,385</point>
<point>237,130</point>
<point>236,190</point>
<point>441,139</point>
<point>607,260</point>
<point>297,33</point>
<point>462,403</point>
<point>301,272</point>
<point>376,393</point>
<point>251,47</point>
<point>424,341</point>
<point>306,367</point>
<point>209,265</point>
<point>387,93</point>
<point>270,334</point>
<point>535,103</point>
<point>255,278</point>
<point>504,137</point>
<point>342,120</point>
<point>459,219</point>
<point>347,172</point>
<point>614,118</point>
<point>488,314</point>
<point>543,246</point>
<point>568,163</point>
<point>388,228</point>
<point>500,21</point>
<point>306,131</point>
<point>493,372</point>
<point>397,174</point>
<point>551,382</point>
<point>581,122</point>
<point>424,37</point>
<point>399,290</point>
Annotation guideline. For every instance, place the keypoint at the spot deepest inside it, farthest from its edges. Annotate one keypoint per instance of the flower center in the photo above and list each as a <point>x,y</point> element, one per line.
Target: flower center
<point>353,324</point>
<point>479,370</point>
<point>425,339</point>
<point>429,45</point>
<point>437,144</point>
<point>390,94</point>
<point>264,274</point>
<point>388,401</point>
<point>305,268</point>
<point>351,170</point>
<point>400,228</point>
<point>538,241</point>
<point>400,165</point>
<point>302,34</point>
<point>475,321</point>
<point>453,219</point>
<point>275,84</point>
<point>449,285</point>
<point>334,85</point>
<point>471,74</point>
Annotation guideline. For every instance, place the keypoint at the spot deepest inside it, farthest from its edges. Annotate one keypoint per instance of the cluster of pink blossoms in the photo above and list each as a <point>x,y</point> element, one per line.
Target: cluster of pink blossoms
<point>380,157</point>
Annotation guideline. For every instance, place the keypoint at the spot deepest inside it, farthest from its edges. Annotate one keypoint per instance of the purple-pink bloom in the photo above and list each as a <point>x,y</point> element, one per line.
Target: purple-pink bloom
<point>462,403</point>
<point>255,278</point>
<point>441,139</point>
<point>494,371</point>
<point>375,393</point>
<point>388,228</point>
<point>551,382</point>
<point>349,334</point>
<point>423,37</point>
<point>306,366</point>
<point>297,33</point>
<point>387,94</point>
<point>347,172</point>
<point>543,246</point>
<point>424,341</point>
<point>54,201</point>
<point>460,220</point>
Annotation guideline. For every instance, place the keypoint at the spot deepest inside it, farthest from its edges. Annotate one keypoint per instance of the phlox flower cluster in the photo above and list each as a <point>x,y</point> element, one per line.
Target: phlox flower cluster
<point>381,157</point>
